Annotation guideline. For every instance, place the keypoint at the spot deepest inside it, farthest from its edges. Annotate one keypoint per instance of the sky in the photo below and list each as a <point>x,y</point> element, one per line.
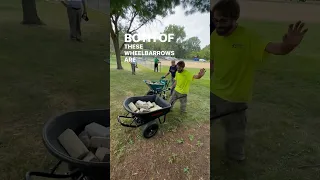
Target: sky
<point>196,24</point>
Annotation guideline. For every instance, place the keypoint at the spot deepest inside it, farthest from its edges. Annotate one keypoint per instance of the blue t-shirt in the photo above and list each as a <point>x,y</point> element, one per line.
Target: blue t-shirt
<point>173,70</point>
<point>133,61</point>
<point>75,3</point>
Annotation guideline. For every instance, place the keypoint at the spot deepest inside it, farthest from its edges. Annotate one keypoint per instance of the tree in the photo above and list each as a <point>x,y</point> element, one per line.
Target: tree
<point>154,46</point>
<point>131,15</point>
<point>205,53</point>
<point>193,6</point>
<point>179,45</point>
<point>192,44</point>
<point>176,43</point>
<point>30,15</point>
<point>202,54</point>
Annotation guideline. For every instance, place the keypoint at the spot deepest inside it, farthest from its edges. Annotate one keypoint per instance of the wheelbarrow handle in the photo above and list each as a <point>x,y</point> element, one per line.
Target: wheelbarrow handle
<point>126,125</point>
<point>51,175</point>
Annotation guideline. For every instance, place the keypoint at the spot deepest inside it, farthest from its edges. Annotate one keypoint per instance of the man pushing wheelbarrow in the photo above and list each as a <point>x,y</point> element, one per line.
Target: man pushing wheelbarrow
<point>145,111</point>
<point>181,85</point>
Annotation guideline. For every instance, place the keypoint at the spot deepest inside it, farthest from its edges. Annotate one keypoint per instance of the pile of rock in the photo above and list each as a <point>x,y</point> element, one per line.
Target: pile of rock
<point>143,106</point>
<point>92,144</point>
<point>152,82</point>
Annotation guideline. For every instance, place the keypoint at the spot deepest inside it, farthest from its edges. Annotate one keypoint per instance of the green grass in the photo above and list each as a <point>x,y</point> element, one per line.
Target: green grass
<point>124,85</point>
<point>283,125</point>
<point>42,75</point>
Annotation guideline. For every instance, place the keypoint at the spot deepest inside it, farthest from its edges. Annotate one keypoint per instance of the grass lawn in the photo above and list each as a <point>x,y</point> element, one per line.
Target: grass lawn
<point>174,152</point>
<point>42,75</point>
<point>283,125</point>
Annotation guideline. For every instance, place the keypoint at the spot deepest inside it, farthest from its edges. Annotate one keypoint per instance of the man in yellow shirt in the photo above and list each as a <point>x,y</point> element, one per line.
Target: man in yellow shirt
<point>182,85</point>
<point>236,51</point>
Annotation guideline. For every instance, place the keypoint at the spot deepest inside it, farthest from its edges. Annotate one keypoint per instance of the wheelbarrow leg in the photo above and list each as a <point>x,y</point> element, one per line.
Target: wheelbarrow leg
<point>53,170</point>
<point>309,166</point>
<point>49,175</point>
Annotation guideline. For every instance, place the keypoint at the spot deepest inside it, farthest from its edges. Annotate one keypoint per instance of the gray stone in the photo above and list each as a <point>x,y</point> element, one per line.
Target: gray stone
<point>72,144</point>
<point>97,141</point>
<point>85,138</point>
<point>95,129</point>
<point>91,158</point>
<point>102,152</point>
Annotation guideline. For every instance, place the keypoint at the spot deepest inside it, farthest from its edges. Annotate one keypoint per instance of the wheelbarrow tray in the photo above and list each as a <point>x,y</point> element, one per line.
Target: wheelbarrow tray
<point>76,121</point>
<point>155,87</point>
<point>148,116</point>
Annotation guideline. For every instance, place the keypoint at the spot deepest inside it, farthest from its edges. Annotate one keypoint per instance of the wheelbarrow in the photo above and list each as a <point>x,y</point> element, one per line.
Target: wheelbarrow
<point>147,121</point>
<point>158,88</point>
<point>78,169</point>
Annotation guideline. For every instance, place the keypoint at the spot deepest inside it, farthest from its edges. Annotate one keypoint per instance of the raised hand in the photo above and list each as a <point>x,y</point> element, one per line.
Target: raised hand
<point>295,34</point>
<point>202,72</point>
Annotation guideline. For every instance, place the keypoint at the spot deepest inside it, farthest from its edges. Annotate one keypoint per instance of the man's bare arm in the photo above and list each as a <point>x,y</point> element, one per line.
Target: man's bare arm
<point>84,3</point>
<point>174,84</point>
<point>290,40</point>
<point>279,48</point>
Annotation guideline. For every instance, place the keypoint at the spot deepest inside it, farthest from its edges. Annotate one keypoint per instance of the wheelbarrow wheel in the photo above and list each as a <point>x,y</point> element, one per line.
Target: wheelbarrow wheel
<point>79,176</point>
<point>150,93</point>
<point>150,129</point>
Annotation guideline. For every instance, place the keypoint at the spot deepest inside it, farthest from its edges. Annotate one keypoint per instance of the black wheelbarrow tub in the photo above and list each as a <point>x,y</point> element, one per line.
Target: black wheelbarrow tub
<point>76,121</point>
<point>148,115</point>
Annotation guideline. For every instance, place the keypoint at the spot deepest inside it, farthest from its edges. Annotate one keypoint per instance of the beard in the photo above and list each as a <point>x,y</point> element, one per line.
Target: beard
<point>221,31</point>
<point>179,71</point>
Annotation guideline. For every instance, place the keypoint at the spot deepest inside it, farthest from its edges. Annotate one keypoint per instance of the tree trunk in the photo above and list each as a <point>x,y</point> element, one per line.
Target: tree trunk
<point>30,15</point>
<point>115,41</point>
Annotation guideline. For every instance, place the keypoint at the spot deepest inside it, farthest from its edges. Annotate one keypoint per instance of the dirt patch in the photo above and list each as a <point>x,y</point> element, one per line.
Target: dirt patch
<point>189,64</point>
<point>276,11</point>
<point>183,154</point>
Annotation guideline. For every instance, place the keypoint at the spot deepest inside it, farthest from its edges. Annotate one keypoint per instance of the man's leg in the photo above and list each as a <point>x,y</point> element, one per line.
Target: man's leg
<point>183,103</point>
<point>72,22</point>
<point>171,91</point>
<point>78,23</point>
<point>154,68</point>
<point>220,107</point>
<point>134,68</point>
<point>234,124</point>
<point>173,98</point>
<point>132,71</point>
<point>235,128</point>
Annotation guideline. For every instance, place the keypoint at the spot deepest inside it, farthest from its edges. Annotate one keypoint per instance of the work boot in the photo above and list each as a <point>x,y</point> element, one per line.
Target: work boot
<point>79,40</point>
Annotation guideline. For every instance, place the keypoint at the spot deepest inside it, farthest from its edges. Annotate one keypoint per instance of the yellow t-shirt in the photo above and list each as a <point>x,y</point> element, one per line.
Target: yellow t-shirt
<point>183,80</point>
<point>235,60</point>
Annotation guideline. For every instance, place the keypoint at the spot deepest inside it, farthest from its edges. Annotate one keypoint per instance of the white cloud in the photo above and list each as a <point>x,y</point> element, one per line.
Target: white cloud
<point>194,25</point>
